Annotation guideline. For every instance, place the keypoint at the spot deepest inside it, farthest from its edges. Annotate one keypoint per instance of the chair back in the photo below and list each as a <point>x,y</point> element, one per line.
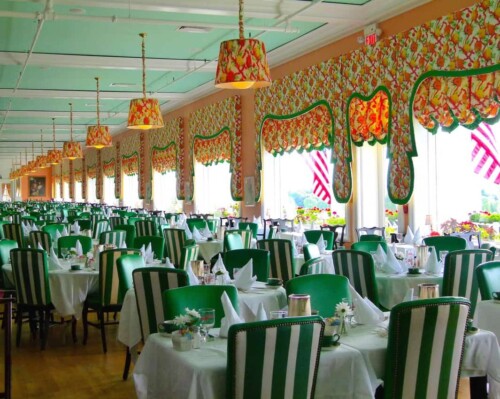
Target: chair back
<point>233,240</point>
<point>254,227</point>
<point>240,257</point>
<point>14,231</point>
<point>174,242</point>
<point>146,228</point>
<point>282,260</point>
<point>70,242</point>
<point>126,264</point>
<point>52,229</point>
<point>42,238</point>
<point>489,247</point>
<point>424,349</point>
<point>281,224</point>
<point>469,237</point>
<point>31,276</point>
<point>488,278</point>
<point>130,233</point>
<point>199,223</point>
<point>326,291</point>
<point>273,232</point>
<point>115,237</point>
<point>175,301</point>
<point>370,230</point>
<point>2,222</point>
<point>149,285</point>
<point>459,277</point>
<point>5,247</point>
<point>116,220</point>
<point>110,292</point>
<point>358,267</point>
<point>371,237</point>
<point>266,359</point>
<point>157,244</point>
<point>338,230</point>
<point>84,224</point>
<point>369,246</point>
<point>313,266</point>
<point>189,253</point>
<point>100,227</point>
<point>446,243</point>
<point>311,251</point>
<point>313,236</point>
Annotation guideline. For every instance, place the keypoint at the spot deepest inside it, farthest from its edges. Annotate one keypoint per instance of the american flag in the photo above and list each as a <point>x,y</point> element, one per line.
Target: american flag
<point>485,155</point>
<point>319,163</point>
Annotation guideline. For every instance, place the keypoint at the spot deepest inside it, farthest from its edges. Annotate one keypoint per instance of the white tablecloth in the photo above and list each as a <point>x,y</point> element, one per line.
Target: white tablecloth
<point>327,256</point>
<point>208,249</point>
<point>488,316</point>
<point>68,289</point>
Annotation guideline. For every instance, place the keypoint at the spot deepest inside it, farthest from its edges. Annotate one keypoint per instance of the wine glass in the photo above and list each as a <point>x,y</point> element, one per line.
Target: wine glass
<point>399,237</point>
<point>65,253</point>
<point>442,256</point>
<point>207,320</point>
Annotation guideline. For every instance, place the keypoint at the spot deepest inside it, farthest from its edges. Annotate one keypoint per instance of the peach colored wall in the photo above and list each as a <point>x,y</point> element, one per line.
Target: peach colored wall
<point>47,173</point>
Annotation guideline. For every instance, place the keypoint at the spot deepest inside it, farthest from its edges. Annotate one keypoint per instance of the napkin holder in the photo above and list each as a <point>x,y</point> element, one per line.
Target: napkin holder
<point>426,291</point>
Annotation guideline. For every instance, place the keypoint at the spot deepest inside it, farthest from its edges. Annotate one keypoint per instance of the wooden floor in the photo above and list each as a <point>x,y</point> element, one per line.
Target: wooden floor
<point>66,370</point>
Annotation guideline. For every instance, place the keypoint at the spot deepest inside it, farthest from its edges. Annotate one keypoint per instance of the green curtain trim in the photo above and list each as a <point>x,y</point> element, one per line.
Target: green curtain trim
<point>172,143</point>
<point>130,155</point>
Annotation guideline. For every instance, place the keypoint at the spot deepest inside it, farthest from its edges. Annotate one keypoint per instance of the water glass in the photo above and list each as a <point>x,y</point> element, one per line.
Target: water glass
<point>207,320</point>
<point>399,237</point>
<point>278,314</point>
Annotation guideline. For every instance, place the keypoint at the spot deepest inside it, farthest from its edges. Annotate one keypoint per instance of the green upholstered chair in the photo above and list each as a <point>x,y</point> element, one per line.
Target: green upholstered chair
<point>313,236</point>
<point>100,227</point>
<point>115,237</point>
<point>5,247</point>
<point>326,291</point>
<point>459,277</point>
<point>109,296</point>
<point>253,349</point>
<point>146,228</point>
<point>282,260</point>
<point>132,219</point>
<point>313,266</point>
<point>157,244</point>
<point>126,264</point>
<point>311,251</point>
<point>42,238</point>
<point>2,222</point>
<point>490,247</point>
<point>338,230</point>
<point>233,240</point>
<point>240,257</point>
<point>273,232</point>
<point>488,278</point>
<point>70,242</point>
<point>199,223</point>
<point>130,230</point>
<point>174,242</point>
<point>446,243</point>
<point>14,231</point>
<point>379,231</point>
<point>85,224</point>
<point>53,228</point>
<point>359,268</point>
<point>425,347</point>
<point>371,237</point>
<point>188,253</point>
<point>254,227</point>
<point>369,246</point>
<point>175,301</point>
<point>116,220</point>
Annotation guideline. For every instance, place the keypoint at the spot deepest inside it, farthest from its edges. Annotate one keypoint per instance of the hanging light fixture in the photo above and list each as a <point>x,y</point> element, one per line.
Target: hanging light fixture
<point>98,136</point>
<point>72,149</point>
<point>41,160</point>
<point>32,163</point>
<point>144,113</point>
<point>54,156</point>
<point>242,62</point>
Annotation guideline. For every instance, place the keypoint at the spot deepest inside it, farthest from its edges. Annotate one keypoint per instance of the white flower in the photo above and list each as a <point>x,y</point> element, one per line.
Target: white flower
<point>342,309</point>
<point>193,313</point>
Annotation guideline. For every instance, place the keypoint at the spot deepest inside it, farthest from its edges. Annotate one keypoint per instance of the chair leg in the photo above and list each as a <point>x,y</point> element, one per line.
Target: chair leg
<point>73,329</point>
<point>128,359</point>
<point>44,327</point>
<point>19,321</point>
<point>103,331</point>
<point>85,314</point>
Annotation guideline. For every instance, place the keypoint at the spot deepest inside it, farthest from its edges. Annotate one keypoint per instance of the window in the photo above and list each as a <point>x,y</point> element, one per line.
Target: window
<point>91,190</point>
<point>131,191</point>
<point>109,191</point>
<point>57,189</point>
<point>212,187</point>
<point>66,191</point>
<point>78,192</point>
<point>164,192</point>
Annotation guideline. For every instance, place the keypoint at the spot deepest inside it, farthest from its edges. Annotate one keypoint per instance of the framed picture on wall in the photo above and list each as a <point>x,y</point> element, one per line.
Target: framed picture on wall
<point>37,186</point>
<point>249,194</point>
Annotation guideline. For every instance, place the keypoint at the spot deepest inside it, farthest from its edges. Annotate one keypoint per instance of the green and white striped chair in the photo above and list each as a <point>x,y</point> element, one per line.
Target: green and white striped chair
<point>274,358</point>
<point>14,231</point>
<point>108,298</point>
<point>42,238</point>
<point>424,349</point>
<point>157,244</point>
<point>358,267</point>
<point>130,230</point>
<point>459,277</point>
<point>254,227</point>
<point>189,253</point>
<point>116,220</point>
<point>237,239</point>
<point>5,247</point>
<point>240,257</point>
<point>313,266</point>
<point>115,237</point>
<point>174,241</point>
<point>488,278</point>
<point>313,236</point>
<point>446,243</point>
<point>53,228</point>
<point>282,260</point>
<point>126,264</point>
<point>70,242</point>
<point>100,227</point>
<point>311,251</point>
<point>369,246</point>
<point>146,228</point>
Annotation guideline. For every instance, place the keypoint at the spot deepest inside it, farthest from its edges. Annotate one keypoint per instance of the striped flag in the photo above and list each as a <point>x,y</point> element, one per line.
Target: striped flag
<point>319,163</point>
<point>485,155</point>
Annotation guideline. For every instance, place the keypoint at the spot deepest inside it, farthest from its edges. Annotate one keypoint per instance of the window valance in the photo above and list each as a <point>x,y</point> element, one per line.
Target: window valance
<point>108,168</point>
<point>130,164</point>
<point>164,159</point>
<point>92,171</point>
<point>78,175</point>
<point>210,150</point>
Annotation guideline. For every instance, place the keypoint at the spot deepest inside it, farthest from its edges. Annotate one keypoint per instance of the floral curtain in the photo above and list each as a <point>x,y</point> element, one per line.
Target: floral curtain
<point>78,175</point>
<point>92,171</point>
<point>369,118</point>
<point>108,168</point>
<point>164,159</point>
<point>213,149</point>
<point>130,164</point>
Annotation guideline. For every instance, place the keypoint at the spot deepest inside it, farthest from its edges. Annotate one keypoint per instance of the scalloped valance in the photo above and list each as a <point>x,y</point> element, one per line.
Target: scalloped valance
<point>108,168</point>
<point>164,159</point>
<point>213,149</point>
<point>92,171</point>
<point>78,175</point>
<point>130,164</point>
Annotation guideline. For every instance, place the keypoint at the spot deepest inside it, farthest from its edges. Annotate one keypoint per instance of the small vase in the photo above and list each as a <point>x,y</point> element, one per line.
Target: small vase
<point>182,342</point>
<point>343,329</point>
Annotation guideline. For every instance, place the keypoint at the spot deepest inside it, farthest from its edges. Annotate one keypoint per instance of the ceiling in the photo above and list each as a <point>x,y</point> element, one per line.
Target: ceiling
<point>51,51</point>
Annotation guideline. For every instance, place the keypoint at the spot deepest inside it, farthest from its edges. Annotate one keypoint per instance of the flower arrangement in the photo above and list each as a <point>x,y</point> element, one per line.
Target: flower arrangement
<point>314,214</point>
<point>484,217</point>
<point>186,321</point>
<point>391,215</point>
<point>342,309</point>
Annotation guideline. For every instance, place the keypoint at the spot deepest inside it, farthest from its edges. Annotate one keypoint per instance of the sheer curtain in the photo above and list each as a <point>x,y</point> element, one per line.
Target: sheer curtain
<point>164,192</point>
<point>131,191</point>
<point>212,187</point>
<point>91,190</point>
<point>109,191</point>
<point>78,192</point>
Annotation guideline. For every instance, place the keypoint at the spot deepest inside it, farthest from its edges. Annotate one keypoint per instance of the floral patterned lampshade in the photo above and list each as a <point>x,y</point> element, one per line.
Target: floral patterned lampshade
<point>98,137</point>
<point>144,114</point>
<point>72,150</point>
<point>242,62</point>
<point>41,162</point>
<point>54,156</point>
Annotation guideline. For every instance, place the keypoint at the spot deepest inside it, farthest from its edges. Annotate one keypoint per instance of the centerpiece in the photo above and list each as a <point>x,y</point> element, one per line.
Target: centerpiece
<point>187,336</point>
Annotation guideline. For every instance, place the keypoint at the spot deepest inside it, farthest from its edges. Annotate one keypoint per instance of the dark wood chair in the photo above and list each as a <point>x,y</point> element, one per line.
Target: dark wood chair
<point>338,231</point>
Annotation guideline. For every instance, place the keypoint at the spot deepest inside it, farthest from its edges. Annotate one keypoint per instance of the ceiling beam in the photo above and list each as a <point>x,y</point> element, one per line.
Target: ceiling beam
<point>84,95</point>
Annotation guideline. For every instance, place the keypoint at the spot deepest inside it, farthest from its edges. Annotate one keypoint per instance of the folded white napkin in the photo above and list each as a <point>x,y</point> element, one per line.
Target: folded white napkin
<point>193,280</point>
<point>206,232</point>
<point>408,237</point>
<point>417,237</point>
<point>76,228</point>
<point>149,254</point>
<point>123,245</point>
<point>64,232</point>
<point>197,235</point>
<point>58,235</point>
<point>168,263</point>
<point>295,252</point>
<point>380,256</point>
<point>220,268</point>
<point>230,316</point>
<point>321,244</point>
<point>432,265</point>
<point>250,316</point>
<point>365,311</point>
<point>26,230</point>
<point>245,278</point>
<point>35,228</point>
<point>54,263</point>
<point>189,235</point>
<point>39,246</point>
<point>78,247</point>
<point>257,220</point>
<point>143,252</point>
<point>65,220</point>
<point>391,264</point>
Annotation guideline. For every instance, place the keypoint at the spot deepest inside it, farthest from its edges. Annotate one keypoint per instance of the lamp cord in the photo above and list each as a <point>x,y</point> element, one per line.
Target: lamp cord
<point>143,35</point>
<point>98,115</point>
<point>71,120</point>
<point>54,132</point>
<point>240,20</point>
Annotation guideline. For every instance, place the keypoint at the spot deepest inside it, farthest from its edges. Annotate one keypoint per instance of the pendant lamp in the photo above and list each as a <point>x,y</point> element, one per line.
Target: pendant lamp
<point>72,149</point>
<point>144,113</point>
<point>242,62</point>
<point>98,136</point>
<point>54,156</point>
<point>32,163</point>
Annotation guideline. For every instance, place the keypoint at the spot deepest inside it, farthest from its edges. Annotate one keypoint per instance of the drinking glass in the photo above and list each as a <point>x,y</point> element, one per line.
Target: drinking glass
<point>65,253</point>
<point>442,256</point>
<point>399,237</point>
<point>207,320</point>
